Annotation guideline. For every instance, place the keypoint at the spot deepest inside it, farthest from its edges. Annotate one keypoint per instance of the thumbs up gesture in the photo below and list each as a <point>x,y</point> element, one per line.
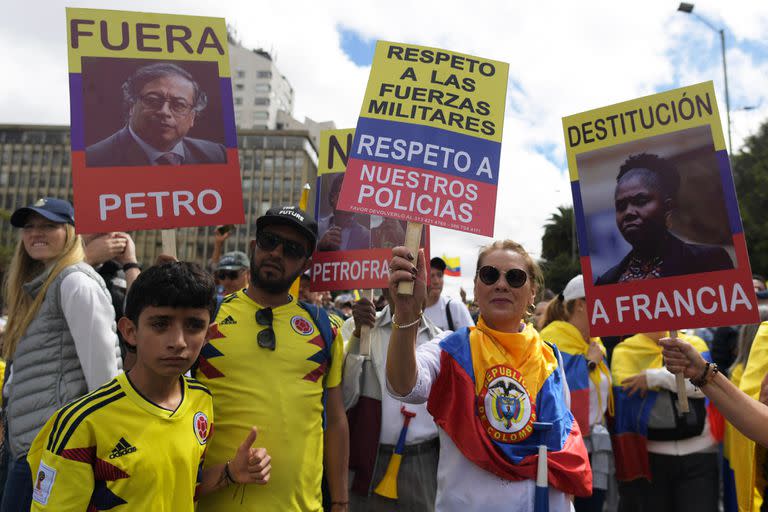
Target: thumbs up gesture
<point>251,465</point>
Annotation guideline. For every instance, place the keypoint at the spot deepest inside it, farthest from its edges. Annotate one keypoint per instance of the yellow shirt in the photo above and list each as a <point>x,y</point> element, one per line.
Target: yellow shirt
<point>279,391</point>
<point>114,450</point>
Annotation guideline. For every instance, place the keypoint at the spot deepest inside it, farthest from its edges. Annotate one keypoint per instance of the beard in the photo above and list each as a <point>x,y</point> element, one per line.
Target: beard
<point>272,285</point>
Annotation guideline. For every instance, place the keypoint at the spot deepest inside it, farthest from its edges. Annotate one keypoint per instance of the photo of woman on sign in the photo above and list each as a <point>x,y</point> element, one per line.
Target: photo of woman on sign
<point>668,216</point>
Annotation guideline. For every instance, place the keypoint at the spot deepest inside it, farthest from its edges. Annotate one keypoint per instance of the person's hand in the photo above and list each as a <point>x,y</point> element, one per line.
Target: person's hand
<point>331,240</point>
<point>103,248</point>
<point>129,252</point>
<point>364,313</point>
<point>764,390</point>
<point>682,357</point>
<point>594,353</point>
<point>463,295</point>
<point>407,267</point>
<point>219,237</point>
<point>251,465</point>
<point>636,384</point>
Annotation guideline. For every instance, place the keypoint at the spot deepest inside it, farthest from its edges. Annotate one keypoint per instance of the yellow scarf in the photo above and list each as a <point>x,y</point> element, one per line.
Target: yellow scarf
<point>638,353</point>
<point>569,339</point>
<point>524,351</point>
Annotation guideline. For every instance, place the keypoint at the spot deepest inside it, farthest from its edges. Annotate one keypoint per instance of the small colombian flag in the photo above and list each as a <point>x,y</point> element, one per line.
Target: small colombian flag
<point>452,266</point>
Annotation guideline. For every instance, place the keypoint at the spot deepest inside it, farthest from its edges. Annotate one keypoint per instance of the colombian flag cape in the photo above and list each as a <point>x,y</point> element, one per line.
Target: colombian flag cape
<point>469,356</point>
<point>630,429</point>
<point>744,454</point>
<point>574,351</point>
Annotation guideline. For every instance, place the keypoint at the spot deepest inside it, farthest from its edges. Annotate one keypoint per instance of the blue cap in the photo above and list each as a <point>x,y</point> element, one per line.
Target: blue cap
<point>56,210</point>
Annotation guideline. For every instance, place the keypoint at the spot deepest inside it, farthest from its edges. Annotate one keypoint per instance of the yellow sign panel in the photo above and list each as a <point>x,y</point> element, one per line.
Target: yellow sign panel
<point>139,35</point>
<point>658,114</point>
<point>335,146</point>
<point>438,88</point>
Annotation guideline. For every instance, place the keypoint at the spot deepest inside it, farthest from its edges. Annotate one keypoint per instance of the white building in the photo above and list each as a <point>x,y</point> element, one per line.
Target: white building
<point>259,90</point>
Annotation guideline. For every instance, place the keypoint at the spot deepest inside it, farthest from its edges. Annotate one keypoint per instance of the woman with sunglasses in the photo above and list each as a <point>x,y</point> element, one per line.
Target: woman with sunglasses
<point>496,391</point>
<point>566,324</point>
<point>60,340</point>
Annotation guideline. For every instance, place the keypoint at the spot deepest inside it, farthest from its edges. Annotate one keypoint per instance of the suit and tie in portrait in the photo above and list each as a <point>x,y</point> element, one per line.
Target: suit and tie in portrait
<point>163,102</point>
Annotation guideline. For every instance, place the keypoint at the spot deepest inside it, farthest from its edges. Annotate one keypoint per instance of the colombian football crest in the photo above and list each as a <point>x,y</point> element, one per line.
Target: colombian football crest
<point>505,408</point>
<point>302,326</point>
<point>201,427</point>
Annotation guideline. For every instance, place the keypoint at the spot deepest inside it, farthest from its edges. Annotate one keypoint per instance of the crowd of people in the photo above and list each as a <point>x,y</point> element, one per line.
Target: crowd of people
<point>233,386</point>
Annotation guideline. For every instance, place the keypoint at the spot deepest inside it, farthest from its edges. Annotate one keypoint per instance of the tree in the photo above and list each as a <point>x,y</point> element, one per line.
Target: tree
<point>559,250</point>
<point>750,175</point>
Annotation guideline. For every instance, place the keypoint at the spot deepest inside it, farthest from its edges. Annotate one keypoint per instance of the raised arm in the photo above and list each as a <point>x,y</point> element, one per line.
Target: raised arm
<point>401,356</point>
<point>745,413</point>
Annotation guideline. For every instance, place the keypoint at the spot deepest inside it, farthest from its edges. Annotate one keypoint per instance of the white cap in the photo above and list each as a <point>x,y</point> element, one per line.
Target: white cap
<point>574,289</point>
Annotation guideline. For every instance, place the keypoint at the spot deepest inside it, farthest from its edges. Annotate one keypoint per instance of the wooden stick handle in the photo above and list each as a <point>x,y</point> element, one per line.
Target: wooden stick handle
<point>412,242</point>
<point>168,237</point>
<point>365,331</point>
<point>682,394</point>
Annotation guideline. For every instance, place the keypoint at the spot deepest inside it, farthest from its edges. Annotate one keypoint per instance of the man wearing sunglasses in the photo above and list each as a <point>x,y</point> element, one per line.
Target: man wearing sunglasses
<point>447,314</point>
<point>232,272</point>
<point>276,363</point>
<point>163,101</point>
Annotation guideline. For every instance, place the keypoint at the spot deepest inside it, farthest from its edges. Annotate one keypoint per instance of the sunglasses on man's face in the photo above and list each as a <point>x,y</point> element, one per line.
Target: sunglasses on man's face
<point>223,275</point>
<point>266,337</point>
<point>269,241</point>
<point>490,275</point>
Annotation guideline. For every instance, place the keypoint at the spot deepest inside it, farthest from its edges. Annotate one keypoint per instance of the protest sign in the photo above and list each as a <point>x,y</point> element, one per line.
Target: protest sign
<point>354,249</point>
<point>153,133</point>
<point>427,143</point>
<point>660,237</point>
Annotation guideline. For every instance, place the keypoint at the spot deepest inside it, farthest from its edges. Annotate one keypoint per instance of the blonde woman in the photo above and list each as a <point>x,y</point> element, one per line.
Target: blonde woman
<point>60,340</point>
<point>497,391</point>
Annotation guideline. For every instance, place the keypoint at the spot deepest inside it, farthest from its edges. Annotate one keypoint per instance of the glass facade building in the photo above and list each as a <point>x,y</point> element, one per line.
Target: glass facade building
<point>275,165</point>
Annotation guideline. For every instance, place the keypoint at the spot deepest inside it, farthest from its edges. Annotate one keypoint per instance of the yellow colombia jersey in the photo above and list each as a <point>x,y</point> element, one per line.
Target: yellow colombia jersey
<point>114,450</point>
<point>280,392</point>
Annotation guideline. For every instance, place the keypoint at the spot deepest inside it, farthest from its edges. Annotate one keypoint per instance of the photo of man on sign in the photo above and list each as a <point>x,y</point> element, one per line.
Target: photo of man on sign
<point>666,229</point>
<point>162,101</point>
<point>340,230</point>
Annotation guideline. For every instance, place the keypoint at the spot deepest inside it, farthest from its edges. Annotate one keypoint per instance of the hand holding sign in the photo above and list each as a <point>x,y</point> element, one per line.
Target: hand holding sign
<point>407,267</point>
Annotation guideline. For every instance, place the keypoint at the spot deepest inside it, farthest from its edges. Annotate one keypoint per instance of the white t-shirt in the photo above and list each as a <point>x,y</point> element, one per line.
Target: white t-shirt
<point>459,313</point>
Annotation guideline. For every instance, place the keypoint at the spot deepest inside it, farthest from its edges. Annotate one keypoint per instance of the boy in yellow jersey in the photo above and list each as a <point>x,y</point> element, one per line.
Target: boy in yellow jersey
<point>276,362</point>
<point>138,442</point>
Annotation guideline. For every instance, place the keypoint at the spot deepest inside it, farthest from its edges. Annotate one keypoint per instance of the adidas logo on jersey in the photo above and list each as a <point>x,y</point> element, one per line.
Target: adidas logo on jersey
<point>123,447</point>
<point>228,321</point>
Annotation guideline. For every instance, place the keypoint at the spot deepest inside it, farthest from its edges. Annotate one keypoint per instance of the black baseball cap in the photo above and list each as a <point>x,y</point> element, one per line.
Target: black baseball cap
<point>290,216</point>
<point>56,210</point>
<point>438,263</point>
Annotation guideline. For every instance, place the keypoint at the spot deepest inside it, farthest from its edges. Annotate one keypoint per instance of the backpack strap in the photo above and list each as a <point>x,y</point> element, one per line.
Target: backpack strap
<point>451,327</point>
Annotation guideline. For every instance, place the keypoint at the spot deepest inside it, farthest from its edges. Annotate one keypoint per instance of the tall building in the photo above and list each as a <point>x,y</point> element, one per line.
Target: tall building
<point>275,165</point>
<point>259,90</point>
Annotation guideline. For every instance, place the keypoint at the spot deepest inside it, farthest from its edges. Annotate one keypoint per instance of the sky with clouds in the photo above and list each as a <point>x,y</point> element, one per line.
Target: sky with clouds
<point>565,58</point>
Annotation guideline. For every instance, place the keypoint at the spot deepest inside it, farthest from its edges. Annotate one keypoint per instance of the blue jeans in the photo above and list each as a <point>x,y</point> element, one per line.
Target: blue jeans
<point>17,496</point>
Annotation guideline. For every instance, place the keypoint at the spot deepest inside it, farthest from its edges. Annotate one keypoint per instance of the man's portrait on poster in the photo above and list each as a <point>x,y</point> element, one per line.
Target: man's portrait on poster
<point>162,103</point>
<point>340,230</point>
<point>668,213</point>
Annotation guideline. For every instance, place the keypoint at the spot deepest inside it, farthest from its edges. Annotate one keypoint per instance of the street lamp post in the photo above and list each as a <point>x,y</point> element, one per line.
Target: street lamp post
<point>688,9</point>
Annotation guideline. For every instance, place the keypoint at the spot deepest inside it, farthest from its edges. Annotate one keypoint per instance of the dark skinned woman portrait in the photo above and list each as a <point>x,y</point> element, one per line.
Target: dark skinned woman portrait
<point>646,196</point>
